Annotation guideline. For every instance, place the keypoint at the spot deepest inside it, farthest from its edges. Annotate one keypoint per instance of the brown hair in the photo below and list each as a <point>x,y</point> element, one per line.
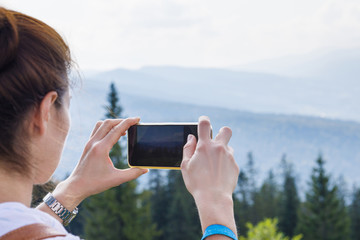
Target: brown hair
<point>34,60</point>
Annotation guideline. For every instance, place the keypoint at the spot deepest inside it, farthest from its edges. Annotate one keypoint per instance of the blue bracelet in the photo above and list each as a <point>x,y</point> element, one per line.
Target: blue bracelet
<point>220,230</point>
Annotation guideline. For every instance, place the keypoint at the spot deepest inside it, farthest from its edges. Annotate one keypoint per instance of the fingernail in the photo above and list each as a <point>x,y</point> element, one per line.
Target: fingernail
<point>206,118</point>
<point>189,137</point>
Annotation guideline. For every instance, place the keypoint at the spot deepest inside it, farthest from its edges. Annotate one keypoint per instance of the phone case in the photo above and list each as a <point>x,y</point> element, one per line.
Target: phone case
<point>164,123</point>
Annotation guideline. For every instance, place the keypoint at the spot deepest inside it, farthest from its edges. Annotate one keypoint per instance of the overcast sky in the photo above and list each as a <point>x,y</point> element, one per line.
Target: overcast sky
<point>106,34</point>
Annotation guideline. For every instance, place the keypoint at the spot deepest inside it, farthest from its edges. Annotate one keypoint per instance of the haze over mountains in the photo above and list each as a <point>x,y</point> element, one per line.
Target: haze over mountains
<point>263,109</point>
<point>324,84</point>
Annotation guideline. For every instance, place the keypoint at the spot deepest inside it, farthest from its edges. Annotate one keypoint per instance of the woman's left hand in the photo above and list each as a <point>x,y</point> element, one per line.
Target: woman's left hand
<point>95,171</point>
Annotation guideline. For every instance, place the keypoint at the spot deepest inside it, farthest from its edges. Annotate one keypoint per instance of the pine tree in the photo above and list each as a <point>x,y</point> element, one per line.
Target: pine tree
<point>113,110</point>
<point>182,217</point>
<point>322,216</point>
<point>120,212</point>
<point>246,200</point>
<point>242,203</point>
<point>159,201</point>
<point>268,197</point>
<point>289,203</point>
<point>355,215</point>
<point>251,174</point>
<point>253,192</point>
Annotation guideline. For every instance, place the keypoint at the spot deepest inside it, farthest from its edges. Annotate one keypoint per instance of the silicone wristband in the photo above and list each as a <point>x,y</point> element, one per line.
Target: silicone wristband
<point>220,230</point>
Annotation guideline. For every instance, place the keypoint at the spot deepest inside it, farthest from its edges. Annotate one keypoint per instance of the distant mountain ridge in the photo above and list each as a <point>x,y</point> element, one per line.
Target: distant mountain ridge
<point>268,136</point>
<point>267,112</point>
<point>338,64</point>
<point>334,97</point>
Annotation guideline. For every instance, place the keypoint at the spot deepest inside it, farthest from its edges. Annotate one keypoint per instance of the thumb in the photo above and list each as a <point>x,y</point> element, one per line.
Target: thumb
<point>126,175</point>
<point>189,148</point>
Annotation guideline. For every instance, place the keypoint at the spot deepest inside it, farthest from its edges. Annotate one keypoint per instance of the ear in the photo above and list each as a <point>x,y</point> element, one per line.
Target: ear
<point>43,113</point>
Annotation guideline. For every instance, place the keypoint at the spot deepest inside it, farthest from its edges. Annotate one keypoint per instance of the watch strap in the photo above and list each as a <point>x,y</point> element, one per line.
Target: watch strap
<point>66,215</point>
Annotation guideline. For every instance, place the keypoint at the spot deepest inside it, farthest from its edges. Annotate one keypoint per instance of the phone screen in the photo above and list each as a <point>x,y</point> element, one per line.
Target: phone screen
<point>155,145</point>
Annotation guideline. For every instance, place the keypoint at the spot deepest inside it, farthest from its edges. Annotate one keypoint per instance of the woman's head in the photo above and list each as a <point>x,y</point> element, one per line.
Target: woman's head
<point>34,64</point>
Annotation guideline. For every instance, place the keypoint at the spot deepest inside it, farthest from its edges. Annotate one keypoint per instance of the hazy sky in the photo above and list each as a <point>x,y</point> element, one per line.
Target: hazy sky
<point>115,33</point>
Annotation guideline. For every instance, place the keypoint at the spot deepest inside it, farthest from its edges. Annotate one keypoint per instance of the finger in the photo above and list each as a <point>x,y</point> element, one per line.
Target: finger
<point>224,135</point>
<point>98,124</point>
<point>231,150</point>
<point>105,127</point>
<point>189,148</point>
<point>125,175</point>
<point>117,131</point>
<point>204,128</point>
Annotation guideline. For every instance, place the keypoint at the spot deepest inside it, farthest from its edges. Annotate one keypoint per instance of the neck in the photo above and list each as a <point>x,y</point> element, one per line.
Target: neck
<point>15,187</point>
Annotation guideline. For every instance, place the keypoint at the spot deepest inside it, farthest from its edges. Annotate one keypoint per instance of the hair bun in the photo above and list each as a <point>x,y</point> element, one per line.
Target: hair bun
<point>9,38</point>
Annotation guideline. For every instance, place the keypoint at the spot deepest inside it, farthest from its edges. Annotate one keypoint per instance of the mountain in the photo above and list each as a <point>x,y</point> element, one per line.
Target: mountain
<point>308,105</point>
<point>268,136</point>
<point>333,64</point>
<point>239,90</point>
<point>332,75</point>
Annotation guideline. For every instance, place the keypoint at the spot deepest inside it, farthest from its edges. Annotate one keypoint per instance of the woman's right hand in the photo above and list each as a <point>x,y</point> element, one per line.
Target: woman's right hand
<point>95,171</point>
<point>210,174</point>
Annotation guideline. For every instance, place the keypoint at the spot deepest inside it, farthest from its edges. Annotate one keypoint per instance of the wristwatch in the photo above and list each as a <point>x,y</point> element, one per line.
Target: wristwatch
<point>59,209</point>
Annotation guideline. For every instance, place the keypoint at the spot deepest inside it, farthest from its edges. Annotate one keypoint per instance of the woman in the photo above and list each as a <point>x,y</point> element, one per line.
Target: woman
<point>34,123</point>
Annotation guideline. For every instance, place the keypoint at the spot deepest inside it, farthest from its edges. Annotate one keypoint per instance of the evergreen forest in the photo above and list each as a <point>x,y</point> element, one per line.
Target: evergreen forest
<point>271,209</point>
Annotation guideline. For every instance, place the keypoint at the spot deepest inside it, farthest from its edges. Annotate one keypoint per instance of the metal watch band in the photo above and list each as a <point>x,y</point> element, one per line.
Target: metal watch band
<point>59,209</point>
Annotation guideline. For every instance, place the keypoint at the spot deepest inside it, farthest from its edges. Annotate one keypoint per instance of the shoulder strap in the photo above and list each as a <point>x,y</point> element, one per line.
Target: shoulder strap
<point>36,231</point>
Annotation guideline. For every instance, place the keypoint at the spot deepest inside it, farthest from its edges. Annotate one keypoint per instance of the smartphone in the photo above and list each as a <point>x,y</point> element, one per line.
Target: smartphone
<point>158,145</point>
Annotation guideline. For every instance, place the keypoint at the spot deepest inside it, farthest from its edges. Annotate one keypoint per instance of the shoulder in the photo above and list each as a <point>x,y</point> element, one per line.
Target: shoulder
<point>14,215</point>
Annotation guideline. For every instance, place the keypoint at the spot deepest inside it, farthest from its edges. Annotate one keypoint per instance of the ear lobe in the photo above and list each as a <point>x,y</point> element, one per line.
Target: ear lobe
<point>43,113</point>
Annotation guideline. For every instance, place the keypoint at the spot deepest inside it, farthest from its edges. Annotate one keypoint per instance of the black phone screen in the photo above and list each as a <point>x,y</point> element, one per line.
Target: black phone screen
<point>158,145</point>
